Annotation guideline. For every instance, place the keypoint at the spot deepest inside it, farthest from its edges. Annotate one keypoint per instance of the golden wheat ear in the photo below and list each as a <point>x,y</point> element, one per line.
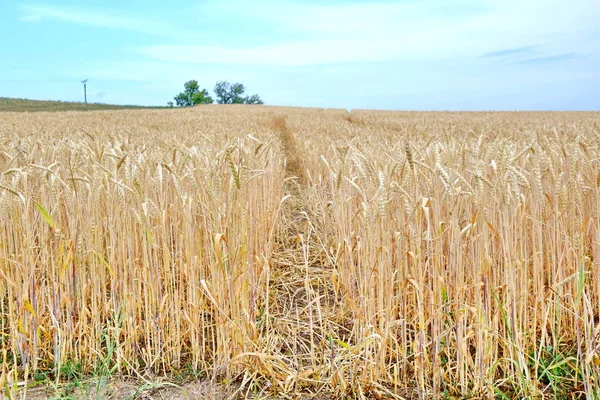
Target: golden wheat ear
<point>297,253</point>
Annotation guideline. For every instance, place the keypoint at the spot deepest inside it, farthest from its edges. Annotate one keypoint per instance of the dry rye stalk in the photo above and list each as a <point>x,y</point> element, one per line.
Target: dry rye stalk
<point>411,255</point>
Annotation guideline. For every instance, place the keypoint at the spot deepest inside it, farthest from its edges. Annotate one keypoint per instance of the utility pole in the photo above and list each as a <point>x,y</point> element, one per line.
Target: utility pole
<point>84,90</point>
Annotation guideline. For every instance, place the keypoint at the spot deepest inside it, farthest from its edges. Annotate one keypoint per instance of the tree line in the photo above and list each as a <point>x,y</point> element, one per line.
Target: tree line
<point>225,92</point>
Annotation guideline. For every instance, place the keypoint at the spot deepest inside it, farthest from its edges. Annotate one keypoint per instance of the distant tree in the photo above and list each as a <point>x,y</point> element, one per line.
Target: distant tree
<point>192,95</point>
<point>254,99</point>
<point>229,93</point>
<point>232,93</point>
<point>170,104</point>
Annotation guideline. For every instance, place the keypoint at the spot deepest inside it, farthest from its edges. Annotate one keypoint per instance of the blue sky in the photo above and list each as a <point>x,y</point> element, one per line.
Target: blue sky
<point>410,54</point>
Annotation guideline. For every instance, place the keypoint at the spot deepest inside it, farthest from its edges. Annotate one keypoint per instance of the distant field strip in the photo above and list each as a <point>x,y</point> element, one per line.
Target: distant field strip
<point>26,105</point>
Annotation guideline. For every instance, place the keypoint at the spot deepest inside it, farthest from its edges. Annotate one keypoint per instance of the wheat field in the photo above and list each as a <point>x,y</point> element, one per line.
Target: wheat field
<point>291,251</point>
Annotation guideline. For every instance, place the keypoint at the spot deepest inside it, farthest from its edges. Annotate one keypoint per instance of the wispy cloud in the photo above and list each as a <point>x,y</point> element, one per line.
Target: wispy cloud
<point>30,18</point>
<point>396,53</point>
<point>304,34</point>
<point>509,52</point>
<point>301,53</point>
<point>97,19</point>
<point>550,59</point>
<point>343,18</point>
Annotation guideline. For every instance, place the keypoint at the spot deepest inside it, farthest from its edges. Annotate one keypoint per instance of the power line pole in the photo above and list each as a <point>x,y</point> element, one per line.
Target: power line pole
<point>84,90</point>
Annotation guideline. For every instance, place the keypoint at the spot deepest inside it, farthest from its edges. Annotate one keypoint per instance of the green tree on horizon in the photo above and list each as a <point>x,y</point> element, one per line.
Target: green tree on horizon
<point>192,95</point>
<point>226,93</point>
<point>232,93</point>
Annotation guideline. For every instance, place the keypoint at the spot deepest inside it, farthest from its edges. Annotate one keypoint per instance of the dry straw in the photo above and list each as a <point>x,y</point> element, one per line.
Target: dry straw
<point>300,251</point>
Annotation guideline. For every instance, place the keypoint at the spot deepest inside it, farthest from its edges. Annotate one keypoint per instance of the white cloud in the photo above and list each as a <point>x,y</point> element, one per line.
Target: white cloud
<point>30,18</point>
<point>419,54</point>
<point>303,53</point>
<point>99,19</point>
<point>316,34</point>
<point>304,34</point>
<point>368,18</point>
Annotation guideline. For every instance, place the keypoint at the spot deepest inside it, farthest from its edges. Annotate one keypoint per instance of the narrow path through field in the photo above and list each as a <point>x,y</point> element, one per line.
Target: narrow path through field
<point>303,294</point>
